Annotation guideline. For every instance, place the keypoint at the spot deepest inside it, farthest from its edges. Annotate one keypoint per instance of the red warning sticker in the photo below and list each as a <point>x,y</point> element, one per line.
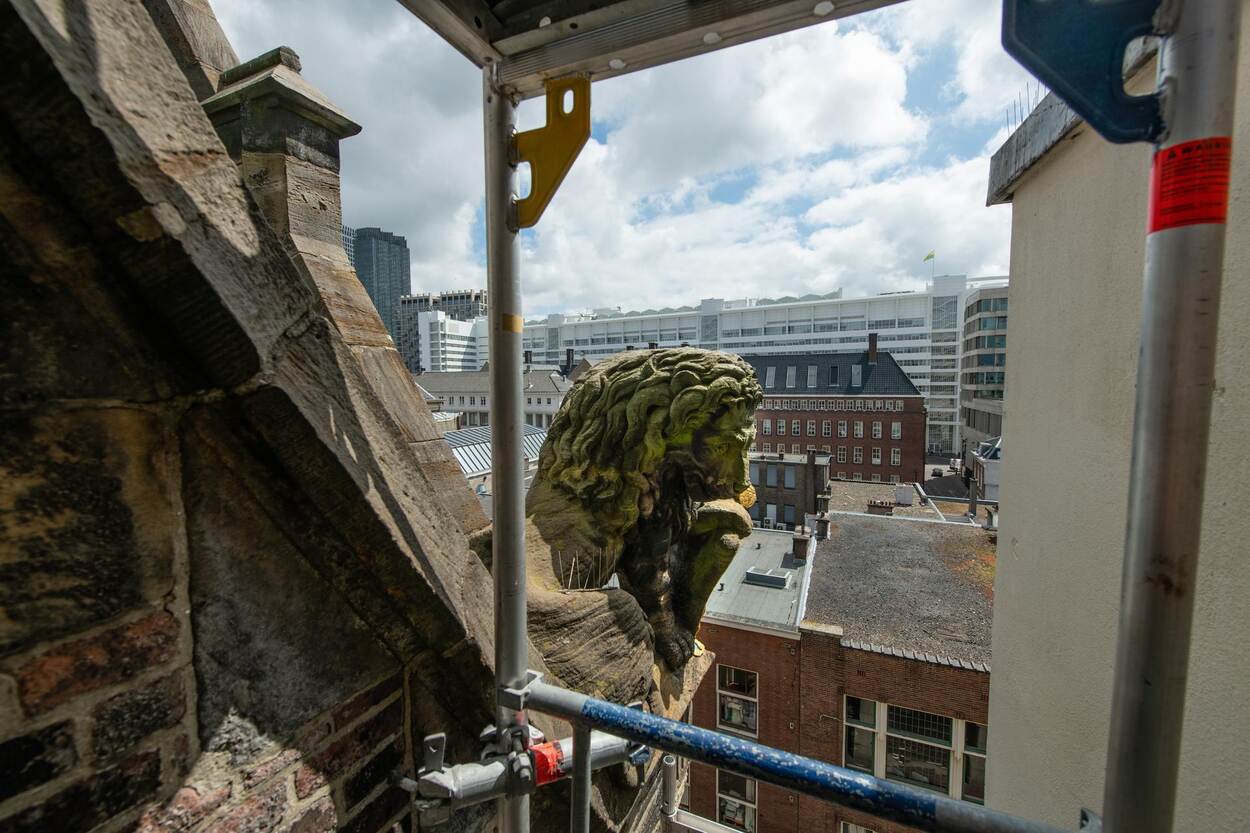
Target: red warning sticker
<point>1189,183</point>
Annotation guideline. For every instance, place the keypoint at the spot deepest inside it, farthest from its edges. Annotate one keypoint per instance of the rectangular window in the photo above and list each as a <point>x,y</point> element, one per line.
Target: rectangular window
<point>896,430</point>
<point>811,428</point>
<point>826,428</point>
<point>796,427</point>
<point>973,787</point>
<point>842,475</point>
<point>894,478</point>
<point>790,476</point>
<point>770,377</point>
<point>876,478</point>
<point>859,475</point>
<point>781,427</point>
<point>860,737</point>
<point>771,475</point>
<point>825,448</point>
<point>847,827</point>
<point>841,454</point>
<point>857,376</point>
<point>841,428</point>
<point>876,456</point>
<point>735,801</point>
<point>859,429</point>
<point>876,430</point>
<point>791,376</point>
<point>766,427</point>
<point>896,457</point>
<point>918,748</point>
<point>857,455</point>
<point>811,377</point>
<point>768,447</point>
<point>755,473</point>
<point>789,514</point>
<point>738,699</point>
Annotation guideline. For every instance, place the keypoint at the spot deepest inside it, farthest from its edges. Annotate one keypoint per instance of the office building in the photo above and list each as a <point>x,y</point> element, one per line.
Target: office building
<point>921,330</point>
<point>460,304</point>
<point>349,244</point>
<point>382,264</point>
<point>983,365</point>
<point>859,408</point>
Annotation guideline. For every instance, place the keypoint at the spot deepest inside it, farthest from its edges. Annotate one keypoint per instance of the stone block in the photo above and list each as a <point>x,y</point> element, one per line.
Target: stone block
<point>36,758</point>
<point>260,813</point>
<point>89,528</point>
<point>262,772</point>
<point>373,773</point>
<point>319,818</point>
<point>90,802</point>
<point>187,808</point>
<point>73,668</point>
<point>122,721</point>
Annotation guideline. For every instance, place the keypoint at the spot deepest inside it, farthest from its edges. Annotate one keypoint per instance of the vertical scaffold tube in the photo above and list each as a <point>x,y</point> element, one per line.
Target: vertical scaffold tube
<point>507,472</point>
<point>1175,381</point>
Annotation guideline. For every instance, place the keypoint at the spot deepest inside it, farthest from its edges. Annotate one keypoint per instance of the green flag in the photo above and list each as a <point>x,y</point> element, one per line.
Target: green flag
<point>929,256</point>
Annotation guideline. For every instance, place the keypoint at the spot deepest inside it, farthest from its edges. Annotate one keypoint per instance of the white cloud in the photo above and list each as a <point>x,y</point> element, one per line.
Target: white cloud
<point>812,135</point>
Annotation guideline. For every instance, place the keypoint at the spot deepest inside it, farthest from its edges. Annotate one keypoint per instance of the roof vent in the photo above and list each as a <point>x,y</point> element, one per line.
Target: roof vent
<point>776,579</point>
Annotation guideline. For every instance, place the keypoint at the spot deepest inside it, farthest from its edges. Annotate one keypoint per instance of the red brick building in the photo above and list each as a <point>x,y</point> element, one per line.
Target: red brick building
<point>836,660</point>
<point>860,408</point>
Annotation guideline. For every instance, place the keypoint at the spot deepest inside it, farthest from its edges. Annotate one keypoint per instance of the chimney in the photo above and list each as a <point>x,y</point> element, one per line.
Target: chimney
<point>800,544</point>
<point>872,348</point>
<point>822,529</point>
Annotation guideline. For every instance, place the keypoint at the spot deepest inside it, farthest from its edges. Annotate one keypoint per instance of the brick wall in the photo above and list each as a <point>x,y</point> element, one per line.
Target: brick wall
<point>776,660</point>
<point>911,445</point>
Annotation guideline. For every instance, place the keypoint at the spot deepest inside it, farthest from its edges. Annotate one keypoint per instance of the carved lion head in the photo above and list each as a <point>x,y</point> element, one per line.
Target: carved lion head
<point>643,418</point>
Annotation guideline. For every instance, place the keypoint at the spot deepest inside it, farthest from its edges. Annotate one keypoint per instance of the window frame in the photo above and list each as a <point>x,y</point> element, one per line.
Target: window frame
<point>751,806</point>
<point>729,693</point>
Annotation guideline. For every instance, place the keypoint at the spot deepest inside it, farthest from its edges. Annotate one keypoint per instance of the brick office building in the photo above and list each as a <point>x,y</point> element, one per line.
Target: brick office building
<point>787,487</point>
<point>837,661</point>
<point>860,408</point>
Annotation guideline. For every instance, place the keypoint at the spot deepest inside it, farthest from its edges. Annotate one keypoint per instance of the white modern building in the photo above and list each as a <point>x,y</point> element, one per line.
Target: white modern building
<point>445,344</point>
<point>921,330</point>
<point>469,393</point>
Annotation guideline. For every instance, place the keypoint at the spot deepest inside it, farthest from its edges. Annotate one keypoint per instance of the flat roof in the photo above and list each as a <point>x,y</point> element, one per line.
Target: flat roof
<point>767,556</point>
<point>853,496</point>
<point>906,586</point>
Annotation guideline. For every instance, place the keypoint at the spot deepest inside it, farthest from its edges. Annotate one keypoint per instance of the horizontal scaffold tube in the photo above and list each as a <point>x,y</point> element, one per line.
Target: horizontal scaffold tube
<point>884,799</point>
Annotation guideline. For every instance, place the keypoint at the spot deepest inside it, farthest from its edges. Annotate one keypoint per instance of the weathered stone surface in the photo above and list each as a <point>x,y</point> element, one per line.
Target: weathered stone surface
<point>127,718</point>
<point>343,753</point>
<point>196,40</point>
<point>34,759</point>
<point>319,818</point>
<point>187,808</point>
<point>373,773</point>
<point>84,505</point>
<point>259,813</point>
<point>73,668</point>
<point>85,804</point>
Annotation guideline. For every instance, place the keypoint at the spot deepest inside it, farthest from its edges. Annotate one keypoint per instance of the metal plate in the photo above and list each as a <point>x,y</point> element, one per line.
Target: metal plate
<point>533,40</point>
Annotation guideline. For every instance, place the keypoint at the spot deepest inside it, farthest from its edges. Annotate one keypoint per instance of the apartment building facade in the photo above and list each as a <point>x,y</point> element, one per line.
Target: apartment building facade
<point>860,408</point>
<point>468,392</point>
<point>921,329</point>
<point>829,656</point>
<point>983,365</point>
<point>788,487</point>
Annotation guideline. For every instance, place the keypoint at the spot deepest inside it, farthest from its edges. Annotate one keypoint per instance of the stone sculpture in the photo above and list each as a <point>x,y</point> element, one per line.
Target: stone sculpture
<point>644,475</point>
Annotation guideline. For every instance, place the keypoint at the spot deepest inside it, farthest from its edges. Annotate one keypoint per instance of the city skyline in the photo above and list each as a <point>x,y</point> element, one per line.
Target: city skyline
<point>835,157</point>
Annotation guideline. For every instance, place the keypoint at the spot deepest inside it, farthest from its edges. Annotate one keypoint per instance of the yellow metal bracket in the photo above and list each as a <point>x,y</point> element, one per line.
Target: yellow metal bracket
<point>551,150</point>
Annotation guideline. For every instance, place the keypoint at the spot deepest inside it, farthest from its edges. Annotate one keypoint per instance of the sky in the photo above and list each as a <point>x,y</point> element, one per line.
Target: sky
<point>835,157</point>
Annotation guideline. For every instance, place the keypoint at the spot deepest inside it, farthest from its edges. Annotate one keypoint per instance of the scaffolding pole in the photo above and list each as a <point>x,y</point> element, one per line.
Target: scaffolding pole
<point>1175,381</point>
<point>507,462</point>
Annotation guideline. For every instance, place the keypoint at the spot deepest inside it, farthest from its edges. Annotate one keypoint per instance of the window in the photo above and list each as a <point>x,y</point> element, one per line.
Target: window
<point>796,427</point>
<point>841,454</point>
<point>857,455</point>
<point>789,514</point>
<point>766,427</point>
<point>781,427</point>
<point>811,428</point>
<point>918,748</point>
<point>791,374</point>
<point>842,475</point>
<point>529,400</point>
<point>857,376</point>
<point>896,430</point>
<point>790,478</point>
<point>770,377</point>
<point>876,456</point>
<point>811,376</point>
<point>755,473</point>
<point>876,478</point>
<point>859,475</point>
<point>735,801</point>
<point>859,429</point>
<point>847,827</point>
<point>737,697</point>
<point>860,736</point>
<point>973,787</point>
<point>768,447</point>
<point>771,474</point>
<point>894,478</point>
<point>876,430</point>
<point>826,428</point>
<point>825,448</point>
<point>896,457</point>
<point>841,428</point>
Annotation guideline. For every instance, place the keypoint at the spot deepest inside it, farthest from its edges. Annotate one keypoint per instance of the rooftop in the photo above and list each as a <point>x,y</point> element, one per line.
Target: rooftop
<point>778,457</point>
<point>535,380</point>
<point>853,496</point>
<point>746,595</point>
<point>471,447</point>
<point>834,374</point>
<point>906,585</point>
